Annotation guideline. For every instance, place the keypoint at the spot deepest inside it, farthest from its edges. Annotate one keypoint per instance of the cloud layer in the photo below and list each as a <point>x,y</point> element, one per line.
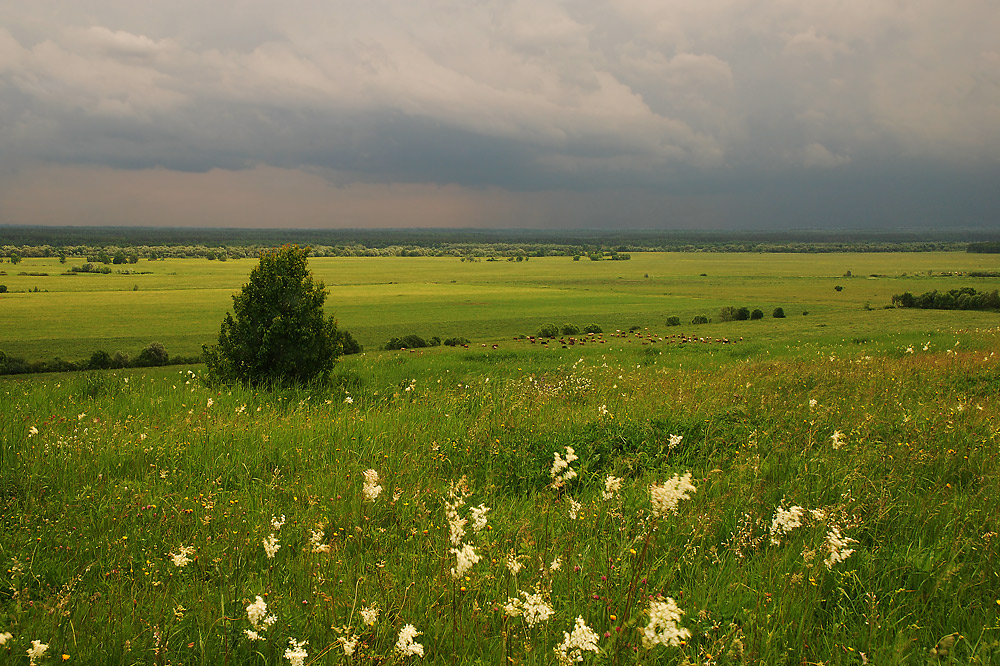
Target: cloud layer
<point>500,108</point>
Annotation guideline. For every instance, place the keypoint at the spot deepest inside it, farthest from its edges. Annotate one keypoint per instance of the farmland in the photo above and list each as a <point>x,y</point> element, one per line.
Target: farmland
<point>843,502</point>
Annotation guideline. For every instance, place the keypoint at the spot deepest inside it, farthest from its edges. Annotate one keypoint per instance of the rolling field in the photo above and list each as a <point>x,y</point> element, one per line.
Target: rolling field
<point>180,302</point>
<point>820,490</point>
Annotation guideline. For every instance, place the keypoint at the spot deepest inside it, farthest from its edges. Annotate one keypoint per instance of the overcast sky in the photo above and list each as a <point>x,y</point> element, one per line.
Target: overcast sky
<point>658,114</point>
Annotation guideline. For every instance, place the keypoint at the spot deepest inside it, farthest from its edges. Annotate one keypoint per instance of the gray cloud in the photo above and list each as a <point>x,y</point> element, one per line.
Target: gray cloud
<point>697,99</point>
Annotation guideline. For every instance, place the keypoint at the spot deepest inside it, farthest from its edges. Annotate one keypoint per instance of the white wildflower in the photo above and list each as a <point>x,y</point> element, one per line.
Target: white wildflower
<point>583,639</point>
<point>533,608</point>
<point>4,637</point>
<point>37,651</point>
<point>556,564</point>
<point>909,350</point>
<point>348,400</point>
<point>271,546</point>
<point>465,557</point>
<point>183,556</point>
<point>784,521</point>
<point>602,410</point>
<point>674,441</point>
<point>837,438</point>
<point>662,628</point>
<point>837,545</point>
<point>316,544</point>
<point>210,403</point>
<point>478,514</point>
<point>371,488</point>
<point>405,645</point>
<point>454,501</point>
<point>513,563</point>
<point>253,635</point>
<point>32,431</point>
<point>257,611</point>
<point>296,653</point>
<point>817,514</point>
<point>348,644</point>
<point>612,486</point>
<point>369,614</point>
<point>574,509</point>
<point>561,472</point>
<point>812,403</point>
<point>665,497</point>
<point>276,522</point>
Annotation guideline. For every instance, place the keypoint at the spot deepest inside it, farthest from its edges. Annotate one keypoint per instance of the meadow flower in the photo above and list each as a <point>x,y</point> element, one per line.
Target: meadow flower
<point>4,637</point>
<point>296,653</point>
<point>348,400</point>
<point>582,639</point>
<point>182,557</point>
<point>371,489</point>
<point>602,410</point>
<point>316,542</point>
<point>533,608</point>
<point>665,497</point>
<point>561,472</point>
<point>465,557</point>
<point>837,547</point>
<point>271,546</point>
<point>837,438</point>
<point>784,521</point>
<point>452,503</point>
<point>348,643</point>
<point>556,564</point>
<point>210,403</point>
<point>812,403</point>
<point>253,635</point>
<point>574,508</point>
<point>37,651</point>
<point>662,628</point>
<point>478,514</point>
<point>612,486</point>
<point>369,614</point>
<point>405,645</point>
<point>674,441</point>
<point>32,431</point>
<point>276,522</point>
<point>513,563</point>
<point>257,614</point>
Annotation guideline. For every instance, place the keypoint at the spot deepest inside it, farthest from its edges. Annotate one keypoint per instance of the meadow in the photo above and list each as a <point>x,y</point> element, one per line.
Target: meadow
<point>821,489</point>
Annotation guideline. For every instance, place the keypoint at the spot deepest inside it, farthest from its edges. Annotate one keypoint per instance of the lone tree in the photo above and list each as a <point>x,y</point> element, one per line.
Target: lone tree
<point>277,332</point>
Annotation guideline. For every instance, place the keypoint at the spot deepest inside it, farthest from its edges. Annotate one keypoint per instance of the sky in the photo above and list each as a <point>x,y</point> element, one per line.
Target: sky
<point>561,114</point>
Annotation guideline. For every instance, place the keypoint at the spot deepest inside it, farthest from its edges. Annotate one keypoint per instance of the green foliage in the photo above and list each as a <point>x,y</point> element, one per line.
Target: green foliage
<point>411,341</point>
<point>349,344</point>
<point>673,320</point>
<point>700,319</point>
<point>964,298</point>
<point>154,354</point>
<point>456,342</point>
<point>592,328</point>
<point>3,289</point>
<point>570,329</point>
<point>278,333</point>
<point>757,314</point>
<point>779,313</point>
<point>99,360</point>
<point>548,331</point>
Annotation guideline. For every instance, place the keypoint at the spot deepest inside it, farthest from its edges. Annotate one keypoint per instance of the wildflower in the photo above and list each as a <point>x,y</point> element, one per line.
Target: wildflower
<point>182,557</point>
<point>257,614</point>
<point>574,508</point>
<point>349,401</point>
<point>666,496</point>
<point>253,635</point>
<point>556,564</point>
<point>674,441</point>
<point>785,521</point>
<point>513,563</point>
<point>812,403</point>
<point>405,645</point>
<point>210,403</point>
<point>602,410</point>
<point>452,503</point>
<point>37,651</point>
<point>465,557</point>
<point>561,472</point>
<point>612,486</point>
<point>271,546</point>
<point>348,643</point>
<point>32,431</point>
<point>533,608</point>
<point>478,514</point>
<point>369,614</point>
<point>662,628</point>
<point>583,639</point>
<point>837,545</point>
<point>276,522</point>
<point>838,439</point>
<point>4,637</point>
<point>371,488</point>
<point>296,653</point>
<point>316,542</point>
<point>909,350</point>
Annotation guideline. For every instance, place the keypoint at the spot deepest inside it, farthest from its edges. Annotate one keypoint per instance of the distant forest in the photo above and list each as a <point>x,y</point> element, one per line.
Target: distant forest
<point>99,243</point>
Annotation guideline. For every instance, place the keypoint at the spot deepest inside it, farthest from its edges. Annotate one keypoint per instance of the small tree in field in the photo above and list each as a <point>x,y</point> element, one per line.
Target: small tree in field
<point>277,332</point>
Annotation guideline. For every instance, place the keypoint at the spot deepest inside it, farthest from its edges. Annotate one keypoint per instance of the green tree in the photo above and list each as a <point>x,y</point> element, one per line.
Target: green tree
<point>15,257</point>
<point>277,332</point>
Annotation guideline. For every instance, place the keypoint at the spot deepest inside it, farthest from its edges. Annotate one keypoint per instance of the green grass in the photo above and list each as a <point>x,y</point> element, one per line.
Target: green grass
<point>128,466</point>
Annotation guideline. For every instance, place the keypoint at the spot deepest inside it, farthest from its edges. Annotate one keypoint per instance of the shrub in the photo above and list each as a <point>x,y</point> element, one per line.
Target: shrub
<point>3,289</point>
<point>592,328</point>
<point>455,342</point>
<point>570,329</point>
<point>700,319</point>
<point>410,341</point>
<point>348,344</point>
<point>99,360</point>
<point>278,332</point>
<point>838,288</point>
<point>757,314</point>
<point>634,328</point>
<point>120,360</point>
<point>548,331</point>
<point>742,314</point>
<point>778,313</point>
<point>728,313</point>
<point>154,354</point>
<point>673,320</point>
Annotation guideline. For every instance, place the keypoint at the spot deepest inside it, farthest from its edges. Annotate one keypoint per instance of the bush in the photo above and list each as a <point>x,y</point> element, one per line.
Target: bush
<point>778,313</point>
<point>99,360</point>
<point>700,319</point>
<point>152,355</point>
<point>278,332</point>
<point>548,331</point>
<point>120,360</point>
<point>592,328</point>
<point>728,313</point>
<point>673,320</point>
<point>757,314</point>
<point>743,314</point>
<point>3,289</point>
<point>410,341</point>
<point>456,342</point>
<point>570,329</point>
<point>348,344</point>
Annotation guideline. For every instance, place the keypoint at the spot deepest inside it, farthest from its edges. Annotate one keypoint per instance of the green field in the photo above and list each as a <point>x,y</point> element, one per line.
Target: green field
<point>180,302</point>
<point>845,509</point>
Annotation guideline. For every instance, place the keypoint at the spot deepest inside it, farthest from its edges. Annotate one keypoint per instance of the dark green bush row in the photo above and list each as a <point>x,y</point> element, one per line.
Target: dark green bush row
<point>965,298</point>
<point>552,331</point>
<point>153,355</point>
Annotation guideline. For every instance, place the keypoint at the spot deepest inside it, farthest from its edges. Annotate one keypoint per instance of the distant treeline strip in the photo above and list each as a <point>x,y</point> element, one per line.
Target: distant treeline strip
<point>984,248</point>
<point>152,356</point>
<point>965,298</point>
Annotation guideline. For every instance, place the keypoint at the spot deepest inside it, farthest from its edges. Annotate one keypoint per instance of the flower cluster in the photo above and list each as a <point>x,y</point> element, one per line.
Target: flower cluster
<point>837,547</point>
<point>533,608</point>
<point>405,645</point>
<point>561,472</point>
<point>37,651</point>
<point>785,521</point>
<point>296,653</point>
<point>183,556</point>
<point>612,487</point>
<point>271,544</point>
<point>259,619</point>
<point>371,489</point>
<point>663,628</point>
<point>582,639</point>
<point>666,496</point>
